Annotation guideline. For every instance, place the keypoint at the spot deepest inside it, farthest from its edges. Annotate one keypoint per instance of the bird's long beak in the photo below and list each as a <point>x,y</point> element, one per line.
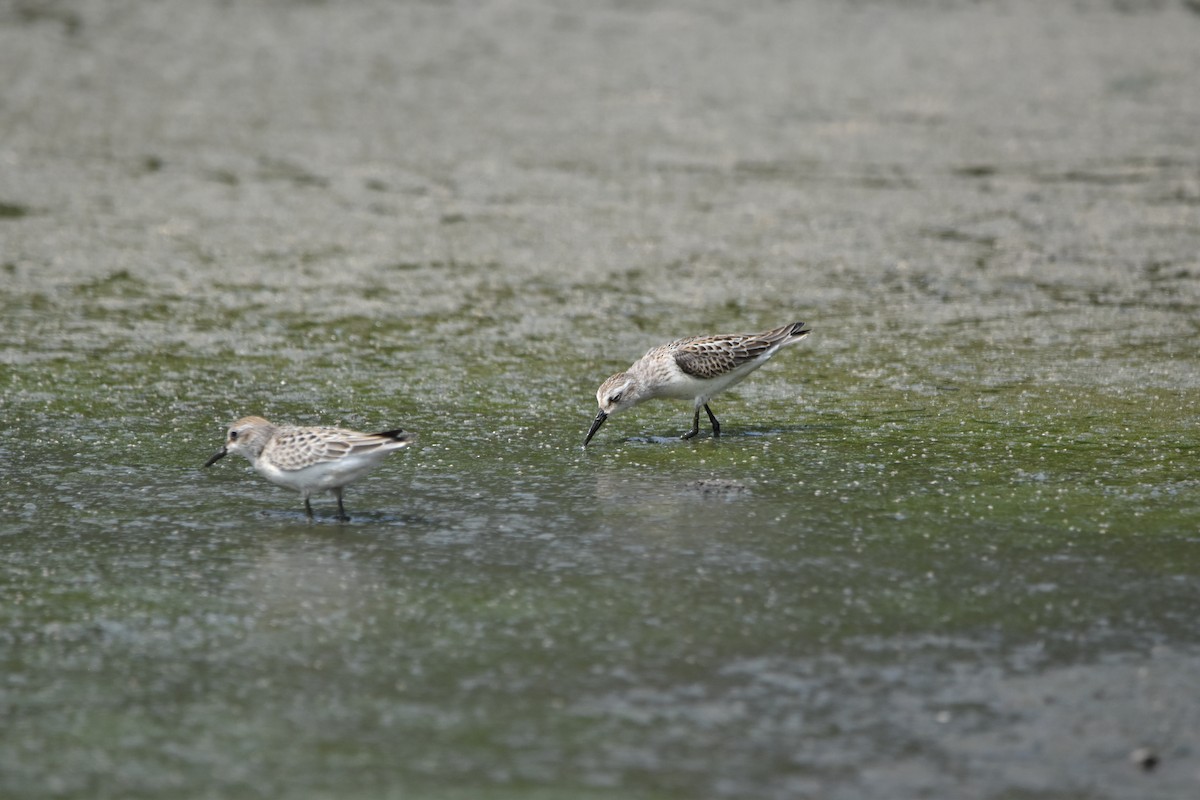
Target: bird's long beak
<point>596,423</point>
<point>216,457</point>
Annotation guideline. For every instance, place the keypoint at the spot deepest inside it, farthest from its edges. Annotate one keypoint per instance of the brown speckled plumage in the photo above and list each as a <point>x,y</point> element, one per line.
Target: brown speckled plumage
<point>297,448</point>
<point>309,459</point>
<point>712,356</point>
<point>694,368</point>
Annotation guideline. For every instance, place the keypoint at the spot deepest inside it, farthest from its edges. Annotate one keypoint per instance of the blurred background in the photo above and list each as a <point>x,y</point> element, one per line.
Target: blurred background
<point>946,547</point>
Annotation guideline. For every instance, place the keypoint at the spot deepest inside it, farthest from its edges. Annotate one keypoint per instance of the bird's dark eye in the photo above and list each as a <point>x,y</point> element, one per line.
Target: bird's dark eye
<point>614,398</point>
<point>232,435</point>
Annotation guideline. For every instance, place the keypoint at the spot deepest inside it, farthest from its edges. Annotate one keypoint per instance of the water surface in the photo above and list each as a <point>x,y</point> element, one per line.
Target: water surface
<point>944,547</point>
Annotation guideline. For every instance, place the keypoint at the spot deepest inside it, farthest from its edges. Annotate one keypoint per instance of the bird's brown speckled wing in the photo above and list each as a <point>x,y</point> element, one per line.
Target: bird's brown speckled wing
<point>303,447</point>
<point>713,356</point>
<point>709,356</point>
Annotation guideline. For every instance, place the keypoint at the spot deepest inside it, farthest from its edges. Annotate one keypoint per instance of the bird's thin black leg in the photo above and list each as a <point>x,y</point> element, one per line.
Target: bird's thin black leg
<point>308,509</point>
<point>695,426</point>
<point>342,515</point>
<point>711,418</point>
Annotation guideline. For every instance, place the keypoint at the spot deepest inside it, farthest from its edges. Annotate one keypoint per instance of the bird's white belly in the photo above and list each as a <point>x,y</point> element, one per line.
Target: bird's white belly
<point>318,477</point>
<point>682,386</point>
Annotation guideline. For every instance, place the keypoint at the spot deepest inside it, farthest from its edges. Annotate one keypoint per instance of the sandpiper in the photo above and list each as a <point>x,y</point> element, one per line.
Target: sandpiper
<point>695,368</point>
<point>309,460</point>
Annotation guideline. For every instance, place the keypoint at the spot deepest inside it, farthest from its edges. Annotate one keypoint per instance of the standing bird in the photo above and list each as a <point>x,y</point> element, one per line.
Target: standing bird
<point>695,368</point>
<point>309,459</point>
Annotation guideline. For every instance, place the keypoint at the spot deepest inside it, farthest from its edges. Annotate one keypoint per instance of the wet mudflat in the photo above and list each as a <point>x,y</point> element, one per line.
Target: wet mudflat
<point>945,547</point>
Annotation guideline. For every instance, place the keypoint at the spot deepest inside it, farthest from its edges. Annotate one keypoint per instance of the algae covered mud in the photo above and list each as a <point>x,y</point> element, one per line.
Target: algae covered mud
<point>946,546</point>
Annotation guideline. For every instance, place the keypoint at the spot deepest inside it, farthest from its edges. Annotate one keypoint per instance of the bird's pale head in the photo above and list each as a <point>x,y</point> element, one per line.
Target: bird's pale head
<point>618,393</point>
<point>247,437</point>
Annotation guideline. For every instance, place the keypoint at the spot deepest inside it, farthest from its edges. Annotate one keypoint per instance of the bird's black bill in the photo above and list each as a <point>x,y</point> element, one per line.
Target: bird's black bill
<point>596,423</point>
<point>216,457</point>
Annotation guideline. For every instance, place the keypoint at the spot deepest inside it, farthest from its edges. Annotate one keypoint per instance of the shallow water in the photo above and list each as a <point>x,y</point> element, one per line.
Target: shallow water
<point>946,546</point>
